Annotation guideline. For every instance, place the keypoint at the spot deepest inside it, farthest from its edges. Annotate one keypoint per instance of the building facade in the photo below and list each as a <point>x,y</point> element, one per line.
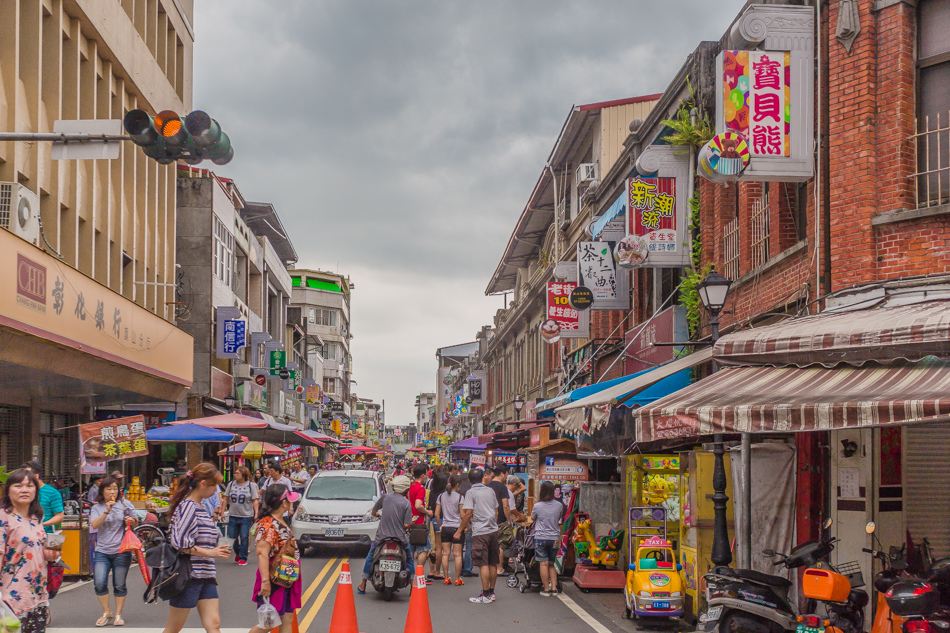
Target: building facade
<point>88,314</point>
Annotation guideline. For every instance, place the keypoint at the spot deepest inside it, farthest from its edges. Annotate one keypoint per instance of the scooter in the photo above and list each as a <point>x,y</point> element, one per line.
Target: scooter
<point>917,602</point>
<point>894,565</point>
<point>748,601</point>
<point>389,573</point>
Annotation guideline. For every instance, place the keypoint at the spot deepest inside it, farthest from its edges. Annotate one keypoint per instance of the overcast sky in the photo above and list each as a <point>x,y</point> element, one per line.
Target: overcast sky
<point>399,141</point>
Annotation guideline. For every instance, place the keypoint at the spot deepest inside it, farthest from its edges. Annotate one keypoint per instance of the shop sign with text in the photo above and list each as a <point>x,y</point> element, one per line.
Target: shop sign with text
<point>556,468</point>
<point>597,271</point>
<point>570,322</point>
<point>651,216</point>
<point>119,438</point>
<point>755,87</point>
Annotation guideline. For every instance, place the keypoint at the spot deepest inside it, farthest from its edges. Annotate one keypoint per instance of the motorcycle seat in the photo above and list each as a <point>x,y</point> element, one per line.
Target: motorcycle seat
<point>757,577</point>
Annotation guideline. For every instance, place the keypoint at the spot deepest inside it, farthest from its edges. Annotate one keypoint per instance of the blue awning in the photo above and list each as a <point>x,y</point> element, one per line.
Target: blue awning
<point>187,433</point>
<point>619,206</point>
<point>656,391</point>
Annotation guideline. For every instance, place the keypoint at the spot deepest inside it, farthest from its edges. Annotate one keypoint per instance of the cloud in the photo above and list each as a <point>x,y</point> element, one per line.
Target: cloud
<point>400,140</point>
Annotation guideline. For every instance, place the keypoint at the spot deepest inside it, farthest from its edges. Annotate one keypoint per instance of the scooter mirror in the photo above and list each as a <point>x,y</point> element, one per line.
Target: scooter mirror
<point>768,553</point>
<point>870,527</point>
<point>828,523</point>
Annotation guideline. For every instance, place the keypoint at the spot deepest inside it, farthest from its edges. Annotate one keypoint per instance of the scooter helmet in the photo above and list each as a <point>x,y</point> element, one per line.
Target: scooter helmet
<point>401,484</point>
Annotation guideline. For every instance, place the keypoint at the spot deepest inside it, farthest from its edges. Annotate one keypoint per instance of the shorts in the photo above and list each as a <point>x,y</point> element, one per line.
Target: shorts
<point>448,535</point>
<point>545,551</point>
<point>506,535</point>
<point>485,550</point>
<point>415,549</point>
<point>197,589</point>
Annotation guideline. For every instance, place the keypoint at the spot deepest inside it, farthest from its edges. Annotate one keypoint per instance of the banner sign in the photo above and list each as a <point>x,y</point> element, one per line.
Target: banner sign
<point>231,332</point>
<point>313,394</point>
<point>651,217</point>
<point>597,271</point>
<point>755,88</point>
<point>477,459</point>
<point>562,469</point>
<point>570,323</point>
<point>119,438</point>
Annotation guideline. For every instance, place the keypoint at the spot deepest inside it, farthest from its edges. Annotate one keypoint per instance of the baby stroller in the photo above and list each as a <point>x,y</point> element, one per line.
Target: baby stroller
<point>525,562</point>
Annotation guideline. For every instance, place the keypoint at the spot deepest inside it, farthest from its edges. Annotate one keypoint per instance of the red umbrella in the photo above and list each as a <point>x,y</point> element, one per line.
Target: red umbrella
<point>350,451</point>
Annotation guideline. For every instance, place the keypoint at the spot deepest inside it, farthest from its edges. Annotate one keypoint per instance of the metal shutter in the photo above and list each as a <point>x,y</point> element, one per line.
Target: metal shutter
<point>10,437</point>
<point>927,485</point>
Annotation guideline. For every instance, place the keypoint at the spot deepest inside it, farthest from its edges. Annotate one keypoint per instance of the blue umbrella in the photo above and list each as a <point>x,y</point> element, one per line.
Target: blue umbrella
<point>187,433</point>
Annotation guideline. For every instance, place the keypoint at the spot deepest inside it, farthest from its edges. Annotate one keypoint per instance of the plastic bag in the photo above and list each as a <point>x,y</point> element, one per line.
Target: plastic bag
<point>267,617</point>
<point>9,623</point>
<point>130,542</point>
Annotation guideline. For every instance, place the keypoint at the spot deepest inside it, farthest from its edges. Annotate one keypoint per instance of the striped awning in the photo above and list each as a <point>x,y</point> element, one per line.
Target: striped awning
<point>882,335</point>
<point>793,399</point>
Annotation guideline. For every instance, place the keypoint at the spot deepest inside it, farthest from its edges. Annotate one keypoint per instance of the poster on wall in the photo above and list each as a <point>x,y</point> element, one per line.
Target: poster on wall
<point>756,88</point>
<point>570,322</point>
<point>109,440</point>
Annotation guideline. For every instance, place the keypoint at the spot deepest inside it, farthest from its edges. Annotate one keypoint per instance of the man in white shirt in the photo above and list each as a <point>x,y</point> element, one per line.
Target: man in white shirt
<point>299,478</point>
<point>275,477</point>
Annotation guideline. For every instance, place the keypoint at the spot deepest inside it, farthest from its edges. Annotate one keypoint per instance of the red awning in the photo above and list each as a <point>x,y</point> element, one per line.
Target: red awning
<point>509,434</point>
<point>254,429</point>
<point>885,334</point>
<point>792,399</point>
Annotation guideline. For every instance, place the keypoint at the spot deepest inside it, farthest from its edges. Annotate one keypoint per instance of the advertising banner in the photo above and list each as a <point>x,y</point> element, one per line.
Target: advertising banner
<point>563,320</point>
<point>109,440</point>
<point>231,332</point>
<point>560,469</point>
<point>651,221</point>
<point>755,85</point>
<point>597,271</point>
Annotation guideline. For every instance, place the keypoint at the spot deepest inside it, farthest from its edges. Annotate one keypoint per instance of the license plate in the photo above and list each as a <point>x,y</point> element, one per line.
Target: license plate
<point>713,613</point>
<point>334,532</point>
<point>390,565</point>
<point>661,605</point>
<point>808,629</point>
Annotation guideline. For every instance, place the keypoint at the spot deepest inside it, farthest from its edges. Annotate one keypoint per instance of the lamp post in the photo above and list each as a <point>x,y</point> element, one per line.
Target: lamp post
<point>230,401</point>
<point>518,403</point>
<point>712,292</point>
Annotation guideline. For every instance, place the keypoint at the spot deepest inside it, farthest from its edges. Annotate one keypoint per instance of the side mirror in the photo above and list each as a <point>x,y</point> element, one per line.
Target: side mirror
<point>679,567</point>
<point>375,498</point>
<point>870,527</point>
<point>828,523</point>
<point>768,553</point>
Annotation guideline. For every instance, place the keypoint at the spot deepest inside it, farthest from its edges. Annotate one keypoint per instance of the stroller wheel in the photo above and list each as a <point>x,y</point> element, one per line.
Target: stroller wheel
<point>512,581</point>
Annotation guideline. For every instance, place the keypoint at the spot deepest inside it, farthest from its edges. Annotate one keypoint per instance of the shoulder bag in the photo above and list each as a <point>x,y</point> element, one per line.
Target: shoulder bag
<point>285,566</point>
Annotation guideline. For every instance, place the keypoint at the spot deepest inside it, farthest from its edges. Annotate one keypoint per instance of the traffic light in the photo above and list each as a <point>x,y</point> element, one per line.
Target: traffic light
<point>167,138</point>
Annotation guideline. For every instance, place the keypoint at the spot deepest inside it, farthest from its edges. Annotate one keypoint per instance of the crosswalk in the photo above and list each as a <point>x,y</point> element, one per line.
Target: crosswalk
<point>314,598</point>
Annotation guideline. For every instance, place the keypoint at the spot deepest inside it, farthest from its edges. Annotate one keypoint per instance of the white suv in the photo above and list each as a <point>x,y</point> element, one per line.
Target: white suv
<point>335,509</point>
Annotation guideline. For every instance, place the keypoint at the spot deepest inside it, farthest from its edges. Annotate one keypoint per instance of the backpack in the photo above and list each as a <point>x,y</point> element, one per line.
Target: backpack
<point>171,571</point>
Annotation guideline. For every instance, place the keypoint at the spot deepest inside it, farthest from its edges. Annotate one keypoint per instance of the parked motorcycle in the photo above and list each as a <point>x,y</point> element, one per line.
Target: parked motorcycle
<point>389,573</point>
<point>894,565</point>
<point>917,602</point>
<point>748,601</point>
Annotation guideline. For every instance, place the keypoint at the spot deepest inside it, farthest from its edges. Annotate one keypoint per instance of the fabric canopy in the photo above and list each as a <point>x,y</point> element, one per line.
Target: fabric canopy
<point>790,399</point>
<point>620,392</point>
<point>469,444</point>
<point>547,407</point>
<point>187,432</point>
<point>254,429</point>
<point>252,449</point>
<point>321,438</point>
<point>903,332</point>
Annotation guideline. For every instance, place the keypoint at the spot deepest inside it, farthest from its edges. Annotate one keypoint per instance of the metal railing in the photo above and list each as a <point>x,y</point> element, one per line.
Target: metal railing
<point>760,233</point>
<point>932,161</point>
<point>730,249</point>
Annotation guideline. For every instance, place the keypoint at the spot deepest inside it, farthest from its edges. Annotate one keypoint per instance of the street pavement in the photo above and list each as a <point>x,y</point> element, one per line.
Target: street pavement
<point>75,609</point>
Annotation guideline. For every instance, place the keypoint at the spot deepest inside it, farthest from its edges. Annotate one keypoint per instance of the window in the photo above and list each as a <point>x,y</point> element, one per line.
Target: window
<point>58,443</point>
<point>323,316</point>
<point>223,252</point>
<point>329,385</point>
<point>328,351</point>
<point>933,99</point>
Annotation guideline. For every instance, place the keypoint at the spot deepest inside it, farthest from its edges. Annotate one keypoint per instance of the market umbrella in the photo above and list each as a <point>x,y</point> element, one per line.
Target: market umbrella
<point>187,433</point>
<point>252,450</point>
<point>254,429</point>
<point>350,451</point>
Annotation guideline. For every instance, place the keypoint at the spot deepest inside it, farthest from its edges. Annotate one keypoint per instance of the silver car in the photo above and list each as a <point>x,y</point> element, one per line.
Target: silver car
<point>335,509</point>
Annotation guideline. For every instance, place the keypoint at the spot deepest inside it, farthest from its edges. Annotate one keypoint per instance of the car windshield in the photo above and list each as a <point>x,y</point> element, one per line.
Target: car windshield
<point>342,489</point>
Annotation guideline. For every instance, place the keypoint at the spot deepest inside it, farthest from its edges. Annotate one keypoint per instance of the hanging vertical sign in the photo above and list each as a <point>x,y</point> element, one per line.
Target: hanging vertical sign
<point>652,222</point>
<point>230,332</point>
<point>596,270</point>
<point>756,89</point>
<point>568,321</point>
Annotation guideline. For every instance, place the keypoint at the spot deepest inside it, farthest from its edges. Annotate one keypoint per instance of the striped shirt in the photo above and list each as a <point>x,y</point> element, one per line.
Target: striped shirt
<point>192,526</point>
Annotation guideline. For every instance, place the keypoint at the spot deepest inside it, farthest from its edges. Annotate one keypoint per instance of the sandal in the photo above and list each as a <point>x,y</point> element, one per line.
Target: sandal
<point>436,577</point>
<point>118,621</point>
<point>105,619</point>
<point>459,582</point>
<point>446,582</point>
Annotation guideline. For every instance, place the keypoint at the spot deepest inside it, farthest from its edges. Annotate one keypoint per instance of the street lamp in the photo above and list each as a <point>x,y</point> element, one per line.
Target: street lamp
<point>230,401</point>
<point>518,402</point>
<point>712,292</point>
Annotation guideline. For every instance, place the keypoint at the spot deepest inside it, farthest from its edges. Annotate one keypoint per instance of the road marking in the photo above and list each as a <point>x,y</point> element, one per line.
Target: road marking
<point>583,615</point>
<point>318,603</point>
<point>125,629</point>
<point>313,586</point>
<point>73,585</point>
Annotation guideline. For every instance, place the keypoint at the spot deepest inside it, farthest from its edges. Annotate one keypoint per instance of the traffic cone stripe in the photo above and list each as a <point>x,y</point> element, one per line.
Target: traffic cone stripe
<point>345,578</point>
<point>419,620</point>
<point>420,582</point>
<point>343,619</point>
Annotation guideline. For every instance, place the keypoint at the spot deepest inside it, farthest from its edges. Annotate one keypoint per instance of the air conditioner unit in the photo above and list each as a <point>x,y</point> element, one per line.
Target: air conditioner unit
<point>19,211</point>
<point>242,371</point>
<point>585,174</point>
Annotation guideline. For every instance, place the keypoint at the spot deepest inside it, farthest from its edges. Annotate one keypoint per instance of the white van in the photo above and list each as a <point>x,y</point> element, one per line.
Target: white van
<point>335,509</point>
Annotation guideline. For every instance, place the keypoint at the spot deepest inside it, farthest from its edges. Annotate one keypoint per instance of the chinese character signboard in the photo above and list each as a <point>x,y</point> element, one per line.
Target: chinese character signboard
<point>561,469</point>
<point>563,320</point>
<point>755,85</point>
<point>596,270</point>
<point>652,223</point>
<point>766,97</point>
<point>231,331</point>
<point>119,438</point>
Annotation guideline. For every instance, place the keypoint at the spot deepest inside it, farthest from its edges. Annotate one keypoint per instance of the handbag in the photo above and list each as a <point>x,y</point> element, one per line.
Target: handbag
<point>54,577</point>
<point>285,566</point>
<point>418,535</point>
<point>171,572</point>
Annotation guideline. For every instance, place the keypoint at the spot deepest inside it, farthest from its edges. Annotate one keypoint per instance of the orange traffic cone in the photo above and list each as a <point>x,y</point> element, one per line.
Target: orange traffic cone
<point>295,629</point>
<point>418,619</point>
<point>344,608</point>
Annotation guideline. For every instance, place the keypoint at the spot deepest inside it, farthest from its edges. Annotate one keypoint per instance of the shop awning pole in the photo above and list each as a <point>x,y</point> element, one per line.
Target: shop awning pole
<point>745,526</point>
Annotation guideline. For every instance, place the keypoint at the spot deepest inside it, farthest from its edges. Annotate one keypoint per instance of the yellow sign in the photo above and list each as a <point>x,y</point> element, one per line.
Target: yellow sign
<point>43,297</point>
<point>335,425</point>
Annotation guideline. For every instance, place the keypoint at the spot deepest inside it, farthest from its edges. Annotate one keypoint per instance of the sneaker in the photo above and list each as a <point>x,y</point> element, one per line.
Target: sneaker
<point>545,593</point>
<point>242,562</point>
<point>480,599</point>
<point>491,598</point>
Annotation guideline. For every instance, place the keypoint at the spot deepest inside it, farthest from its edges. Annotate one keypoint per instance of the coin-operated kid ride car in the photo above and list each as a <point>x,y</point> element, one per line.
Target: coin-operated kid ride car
<point>654,586</point>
